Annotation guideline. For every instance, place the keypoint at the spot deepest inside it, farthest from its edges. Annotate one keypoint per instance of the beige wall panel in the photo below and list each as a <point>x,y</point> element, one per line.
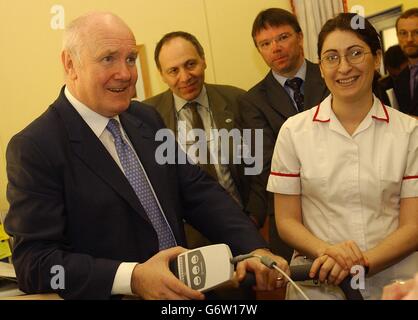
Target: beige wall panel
<point>30,68</point>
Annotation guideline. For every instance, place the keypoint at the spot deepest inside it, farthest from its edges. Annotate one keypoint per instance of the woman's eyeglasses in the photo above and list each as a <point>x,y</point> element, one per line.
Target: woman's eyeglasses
<point>333,60</point>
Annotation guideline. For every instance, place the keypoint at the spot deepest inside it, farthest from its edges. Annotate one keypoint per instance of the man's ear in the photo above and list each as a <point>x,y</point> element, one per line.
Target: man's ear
<point>163,76</point>
<point>378,59</point>
<point>69,64</point>
<point>300,38</point>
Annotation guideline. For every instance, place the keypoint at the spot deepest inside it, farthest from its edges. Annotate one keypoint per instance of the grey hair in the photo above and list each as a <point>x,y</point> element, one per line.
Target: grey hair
<point>76,29</point>
<point>71,41</point>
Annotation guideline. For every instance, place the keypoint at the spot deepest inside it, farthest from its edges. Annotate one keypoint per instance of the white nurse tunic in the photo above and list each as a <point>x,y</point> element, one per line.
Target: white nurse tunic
<point>350,186</point>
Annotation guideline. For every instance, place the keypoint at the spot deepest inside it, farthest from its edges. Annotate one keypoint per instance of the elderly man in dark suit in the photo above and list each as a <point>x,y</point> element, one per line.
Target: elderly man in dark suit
<point>406,84</point>
<point>293,84</point>
<point>87,197</point>
<point>180,59</point>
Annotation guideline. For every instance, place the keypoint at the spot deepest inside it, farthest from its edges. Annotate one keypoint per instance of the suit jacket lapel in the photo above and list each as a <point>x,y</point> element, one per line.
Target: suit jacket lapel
<point>167,111</point>
<point>91,151</point>
<point>224,119</point>
<point>278,97</point>
<point>222,116</point>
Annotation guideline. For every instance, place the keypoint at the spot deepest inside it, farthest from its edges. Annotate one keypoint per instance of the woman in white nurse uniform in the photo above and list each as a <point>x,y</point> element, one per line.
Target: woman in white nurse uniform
<point>345,173</point>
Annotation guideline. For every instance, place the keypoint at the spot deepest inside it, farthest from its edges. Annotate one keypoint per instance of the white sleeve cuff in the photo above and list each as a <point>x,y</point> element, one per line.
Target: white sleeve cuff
<point>289,184</point>
<point>122,281</point>
<point>409,188</point>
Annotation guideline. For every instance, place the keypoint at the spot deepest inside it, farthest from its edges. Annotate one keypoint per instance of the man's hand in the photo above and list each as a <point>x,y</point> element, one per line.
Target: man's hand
<point>154,280</point>
<point>267,279</point>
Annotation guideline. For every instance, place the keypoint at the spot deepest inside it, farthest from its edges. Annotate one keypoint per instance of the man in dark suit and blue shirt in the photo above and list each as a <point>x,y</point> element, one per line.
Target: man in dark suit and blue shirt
<point>87,195</point>
<point>406,84</point>
<point>292,85</point>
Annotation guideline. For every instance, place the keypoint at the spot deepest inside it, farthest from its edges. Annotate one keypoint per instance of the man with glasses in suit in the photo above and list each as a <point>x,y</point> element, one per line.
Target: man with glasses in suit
<point>293,84</point>
<point>406,84</point>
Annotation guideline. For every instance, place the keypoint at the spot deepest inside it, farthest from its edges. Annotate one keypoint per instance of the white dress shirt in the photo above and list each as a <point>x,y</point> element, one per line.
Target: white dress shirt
<point>203,108</point>
<point>98,123</point>
<point>350,186</point>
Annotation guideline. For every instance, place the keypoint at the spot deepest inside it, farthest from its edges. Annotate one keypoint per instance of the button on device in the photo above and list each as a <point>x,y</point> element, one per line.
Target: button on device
<point>194,259</point>
<point>196,270</point>
<point>197,280</point>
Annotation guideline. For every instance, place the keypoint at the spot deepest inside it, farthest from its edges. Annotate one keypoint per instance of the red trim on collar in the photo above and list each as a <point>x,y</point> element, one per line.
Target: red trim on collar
<point>386,113</point>
<point>316,114</point>
<point>289,175</point>
<point>410,177</point>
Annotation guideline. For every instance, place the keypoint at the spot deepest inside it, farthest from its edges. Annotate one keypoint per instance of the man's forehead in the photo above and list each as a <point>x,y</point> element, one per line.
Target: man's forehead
<point>113,44</point>
<point>179,62</point>
<point>175,56</point>
<point>408,22</point>
<point>282,28</point>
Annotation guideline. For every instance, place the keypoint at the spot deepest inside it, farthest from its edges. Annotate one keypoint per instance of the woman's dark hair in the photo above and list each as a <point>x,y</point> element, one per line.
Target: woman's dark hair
<point>354,23</point>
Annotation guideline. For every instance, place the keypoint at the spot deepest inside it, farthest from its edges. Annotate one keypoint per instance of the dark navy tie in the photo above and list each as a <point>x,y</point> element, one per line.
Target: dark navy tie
<point>136,177</point>
<point>414,81</point>
<point>295,84</point>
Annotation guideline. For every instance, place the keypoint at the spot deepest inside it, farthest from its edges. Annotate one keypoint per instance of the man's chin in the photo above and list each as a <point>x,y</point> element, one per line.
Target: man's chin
<point>121,106</point>
<point>412,54</point>
<point>190,95</point>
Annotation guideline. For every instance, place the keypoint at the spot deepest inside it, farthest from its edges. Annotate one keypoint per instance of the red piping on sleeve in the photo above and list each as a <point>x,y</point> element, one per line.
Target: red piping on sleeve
<point>289,175</point>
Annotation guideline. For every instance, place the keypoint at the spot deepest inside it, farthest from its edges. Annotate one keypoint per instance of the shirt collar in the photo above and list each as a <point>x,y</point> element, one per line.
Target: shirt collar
<point>202,99</point>
<point>95,121</point>
<point>323,111</point>
<point>300,74</point>
<point>413,66</point>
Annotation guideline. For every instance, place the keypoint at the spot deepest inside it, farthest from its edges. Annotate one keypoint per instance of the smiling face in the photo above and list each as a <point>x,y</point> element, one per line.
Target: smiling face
<point>285,53</point>
<point>182,69</point>
<point>348,81</point>
<point>104,76</point>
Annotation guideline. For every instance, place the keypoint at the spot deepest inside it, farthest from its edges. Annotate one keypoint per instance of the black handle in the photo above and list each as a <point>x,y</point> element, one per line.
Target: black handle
<point>301,273</point>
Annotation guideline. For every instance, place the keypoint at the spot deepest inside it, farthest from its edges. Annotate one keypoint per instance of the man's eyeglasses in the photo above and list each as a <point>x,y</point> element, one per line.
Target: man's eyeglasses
<point>280,39</point>
<point>333,60</point>
<point>403,34</point>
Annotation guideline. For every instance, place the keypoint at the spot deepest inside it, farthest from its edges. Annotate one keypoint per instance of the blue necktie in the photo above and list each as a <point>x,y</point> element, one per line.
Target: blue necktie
<point>295,84</point>
<point>413,80</point>
<point>136,177</point>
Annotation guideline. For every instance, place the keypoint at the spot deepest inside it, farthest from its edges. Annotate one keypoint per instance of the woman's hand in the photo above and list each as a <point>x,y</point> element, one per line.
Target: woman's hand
<point>347,254</point>
<point>334,262</point>
<point>329,270</point>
